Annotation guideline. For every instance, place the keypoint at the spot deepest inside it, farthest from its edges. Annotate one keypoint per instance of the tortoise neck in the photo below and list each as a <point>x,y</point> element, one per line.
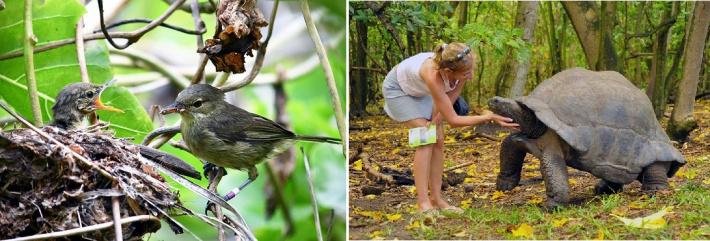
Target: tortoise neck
<point>530,125</point>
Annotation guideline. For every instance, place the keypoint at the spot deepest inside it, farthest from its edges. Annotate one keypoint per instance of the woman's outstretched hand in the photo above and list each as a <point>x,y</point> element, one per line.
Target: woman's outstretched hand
<point>505,122</point>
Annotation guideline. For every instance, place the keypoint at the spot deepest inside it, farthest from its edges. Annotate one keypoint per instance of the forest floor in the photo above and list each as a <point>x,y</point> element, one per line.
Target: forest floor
<point>380,210</point>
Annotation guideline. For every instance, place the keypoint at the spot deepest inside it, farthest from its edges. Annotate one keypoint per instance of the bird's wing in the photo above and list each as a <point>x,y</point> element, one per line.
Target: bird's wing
<point>242,126</point>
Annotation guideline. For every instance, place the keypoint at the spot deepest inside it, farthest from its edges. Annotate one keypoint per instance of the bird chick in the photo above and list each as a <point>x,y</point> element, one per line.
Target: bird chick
<point>76,101</point>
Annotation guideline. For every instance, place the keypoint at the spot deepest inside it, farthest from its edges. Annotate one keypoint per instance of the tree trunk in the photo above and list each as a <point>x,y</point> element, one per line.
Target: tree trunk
<point>525,19</point>
<point>554,43</point>
<point>593,35</point>
<point>657,91</point>
<point>682,121</point>
<point>463,14</point>
<point>358,80</point>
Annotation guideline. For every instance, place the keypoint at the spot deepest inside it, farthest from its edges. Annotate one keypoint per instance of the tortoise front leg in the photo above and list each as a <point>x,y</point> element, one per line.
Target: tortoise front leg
<point>554,172</point>
<point>511,164</point>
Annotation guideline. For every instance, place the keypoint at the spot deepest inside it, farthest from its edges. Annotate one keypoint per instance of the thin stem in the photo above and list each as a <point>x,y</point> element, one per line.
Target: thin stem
<point>199,24</point>
<point>313,195</point>
<point>116,208</point>
<point>197,31</point>
<point>86,229</point>
<point>140,32</point>
<point>328,71</point>
<point>80,49</point>
<point>30,41</point>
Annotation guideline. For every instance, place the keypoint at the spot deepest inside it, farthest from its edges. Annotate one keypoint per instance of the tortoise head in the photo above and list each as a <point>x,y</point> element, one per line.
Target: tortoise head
<point>530,125</point>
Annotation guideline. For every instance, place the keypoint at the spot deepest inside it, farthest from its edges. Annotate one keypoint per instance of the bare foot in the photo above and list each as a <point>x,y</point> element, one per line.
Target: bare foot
<point>444,206</point>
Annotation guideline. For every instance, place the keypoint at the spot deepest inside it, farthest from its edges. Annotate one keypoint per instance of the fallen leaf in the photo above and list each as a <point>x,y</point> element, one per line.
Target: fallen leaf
<point>637,205</point>
<point>572,181</point>
<point>396,150</point>
<point>465,204</point>
<point>413,226</point>
<point>652,221</point>
<point>354,181</point>
<point>497,195</point>
<point>559,223</point>
<point>393,217</point>
<point>535,200</point>
<point>502,134</point>
<point>460,234</point>
<point>523,231</point>
<point>371,196</point>
<point>458,170</point>
<point>621,211</point>
<point>412,190</point>
<point>707,181</point>
<point>600,235</point>
<point>357,165</point>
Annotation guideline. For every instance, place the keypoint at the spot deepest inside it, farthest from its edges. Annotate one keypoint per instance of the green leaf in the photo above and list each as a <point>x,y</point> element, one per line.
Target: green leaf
<point>513,43</point>
<point>53,21</point>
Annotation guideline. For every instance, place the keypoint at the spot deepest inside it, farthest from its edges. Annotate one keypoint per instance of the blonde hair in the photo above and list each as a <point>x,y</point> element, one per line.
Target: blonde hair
<point>445,56</point>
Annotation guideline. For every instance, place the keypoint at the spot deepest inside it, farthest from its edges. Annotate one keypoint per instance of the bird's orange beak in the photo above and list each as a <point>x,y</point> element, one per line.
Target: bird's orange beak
<point>101,106</point>
<point>97,102</point>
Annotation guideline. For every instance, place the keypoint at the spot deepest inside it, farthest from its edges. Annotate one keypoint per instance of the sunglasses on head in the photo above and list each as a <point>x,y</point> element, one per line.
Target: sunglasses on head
<point>463,53</point>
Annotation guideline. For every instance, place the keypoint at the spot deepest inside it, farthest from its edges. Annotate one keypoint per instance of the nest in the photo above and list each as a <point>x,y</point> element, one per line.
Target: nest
<point>44,188</point>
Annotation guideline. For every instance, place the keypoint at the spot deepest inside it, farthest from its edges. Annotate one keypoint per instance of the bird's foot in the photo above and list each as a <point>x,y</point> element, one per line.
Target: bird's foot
<point>209,167</point>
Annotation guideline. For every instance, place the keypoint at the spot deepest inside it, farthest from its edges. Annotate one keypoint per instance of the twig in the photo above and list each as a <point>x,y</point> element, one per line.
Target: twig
<point>80,48</point>
<point>85,229</point>
<point>199,24</point>
<point>259,60</point>
<point>154,64</point>
<point>133,36</point>
<point>457,166</point>
<point>30,40</point>
<point>61,145</point>
<point>117,215</point>
<point>140,32</point>
<point>214,178</point>
<point>313,195</point>
<point>197,31</point>
<point>329,79</point>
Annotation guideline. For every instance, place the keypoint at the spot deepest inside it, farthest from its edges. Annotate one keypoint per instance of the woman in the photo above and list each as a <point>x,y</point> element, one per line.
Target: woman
<point>420,92</point>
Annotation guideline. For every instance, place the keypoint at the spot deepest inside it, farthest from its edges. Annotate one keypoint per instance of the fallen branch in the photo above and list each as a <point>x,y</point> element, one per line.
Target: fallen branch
<point>367,167</point>
<point>86,229</point>
<point>457,167</point>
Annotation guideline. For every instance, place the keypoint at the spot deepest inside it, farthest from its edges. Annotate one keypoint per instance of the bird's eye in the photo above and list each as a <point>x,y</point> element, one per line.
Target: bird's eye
<point>197,104</point>
<point>90,94</point>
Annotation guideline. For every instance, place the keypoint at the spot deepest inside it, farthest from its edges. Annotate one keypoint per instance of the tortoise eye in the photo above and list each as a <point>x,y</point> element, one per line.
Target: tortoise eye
<point>197,104</point>
<point>90,94</point>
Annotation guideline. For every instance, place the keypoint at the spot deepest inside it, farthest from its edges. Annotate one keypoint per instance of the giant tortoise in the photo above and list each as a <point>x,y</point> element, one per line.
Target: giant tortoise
<point>596,122</point>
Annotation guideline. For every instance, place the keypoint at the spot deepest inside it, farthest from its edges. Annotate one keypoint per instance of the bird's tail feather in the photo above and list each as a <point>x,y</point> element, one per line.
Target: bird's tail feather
<point>319,139</point>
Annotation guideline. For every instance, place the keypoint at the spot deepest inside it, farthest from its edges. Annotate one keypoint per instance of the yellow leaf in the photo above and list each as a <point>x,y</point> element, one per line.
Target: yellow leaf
<point>484,196</point>
<point>460,234</point>
<point>572,181</point>
<point>458,170</point>
<point>600,235</point>
<point>376,233</point>
<point>496,170</point>
<point>523,231</point>
<point>498,194</point>
<point>652,221</point>
<point>396,150</point>
<point>620,211</point>
<point>357,165</point>
<point>413,226</point>
<point>502,134</point>
<point>465,204</point>
<point>535,200</point>
<point>529,166</point>
<point>394,217</point>
<point>354,181</point>
<point>412,190</point>
<point>672,184</point>
<point>637,205</point>
<point>559,223</point>
<point>371,196</point>
<point>471,172</point>
<point>707,181</point>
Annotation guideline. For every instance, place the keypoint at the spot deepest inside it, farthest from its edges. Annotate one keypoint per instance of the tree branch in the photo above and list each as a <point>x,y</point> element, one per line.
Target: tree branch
<point>86,229</point>
<point>30,40</point>
<point>140,32</point>
<point>197,31</point>
<point>646,34</point>
<point>328,71</point>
